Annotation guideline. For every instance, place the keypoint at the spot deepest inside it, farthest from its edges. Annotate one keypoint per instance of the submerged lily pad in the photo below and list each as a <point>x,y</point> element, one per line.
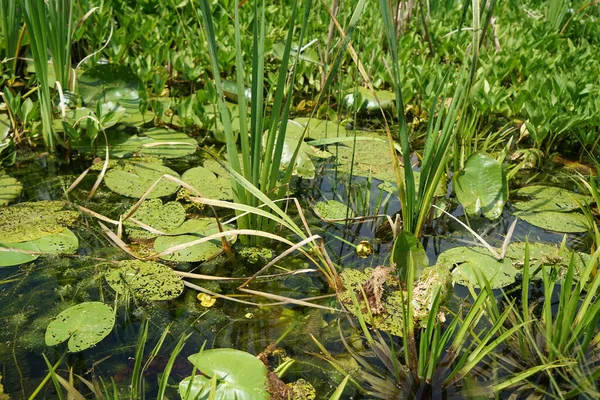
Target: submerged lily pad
<point>207,183</point>
<point>84,325</point>
<point>547,198</point>
<point>189,231</point>
<point>567,222</point>
<point>333,209</point>
<point>148,280</point>
<point>152,212</point>
<point>168,143</point>
<point>240,375</point>
<point>481,186</point>
<point>134,179</point>
<point>64,242</point>
<point>24,222</point>
<point>10,189</point>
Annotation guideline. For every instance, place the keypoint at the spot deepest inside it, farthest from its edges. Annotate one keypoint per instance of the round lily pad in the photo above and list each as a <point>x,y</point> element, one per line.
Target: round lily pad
<point>84,325</point>
<point>317,128</point>
<point>133,180</point>
<point>168,143</point>
<point>64,242</point>
<point>109,82</point>
<point>207,183</point>
<point>240,375</point>
<point>10,189</point>
<point>12,258</point>
<point>367,102</point>
<point>567,222</point>
<point>120,144</point>
<point>547,198</point>
<point>189,231</point>
<point>147,280</point>
<point>371,157</point>
<point>24,222</point>
<point>333,209</point>
<point>152,212</point>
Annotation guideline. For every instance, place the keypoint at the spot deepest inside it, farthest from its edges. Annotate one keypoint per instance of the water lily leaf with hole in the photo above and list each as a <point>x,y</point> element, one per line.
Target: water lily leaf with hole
<point>567,222</point>
<point>207,183</point>
<point>148,280</point>
<point>189,231</point>
<point>152,212</point>
<point>134,179</point>
<point>64,242</point>
<point>120,144</point>
<point>168,143</point>
<point>240,376</point>
<point>333,209</point>
<point>24,222</point>
<point>547,198</point>
<point>481,186</point>
<point>10,189</point>
<point>366,100</point>
<point>466,262</point>
<point>84,325</point>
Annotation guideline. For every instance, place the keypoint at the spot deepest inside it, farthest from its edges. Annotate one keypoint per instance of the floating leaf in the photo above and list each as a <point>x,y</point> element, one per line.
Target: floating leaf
<point>371,157</point>
<point>481,186</point>
<point>207,183</point>
<point>152,212</point>
<point>304,166</point>
<point>24,222</point>
<point>148,280</point>
<point>10,189</point>
<point>189,231</point>
<point>333,209</point>
<point>367,102</point>
<point>239,376</point>
<point>317,128</point>
<point>64,242</point>
<point>84,325</point>
<point>134,179</point>
<point>120,144</point>
<point>547,198</point>
<point>556,221</point>
<point>168,143</point>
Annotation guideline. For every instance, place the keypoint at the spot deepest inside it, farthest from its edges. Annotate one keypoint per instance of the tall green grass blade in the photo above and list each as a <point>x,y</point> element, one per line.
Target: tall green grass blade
<point>59,38</point>
<point>10,24</point>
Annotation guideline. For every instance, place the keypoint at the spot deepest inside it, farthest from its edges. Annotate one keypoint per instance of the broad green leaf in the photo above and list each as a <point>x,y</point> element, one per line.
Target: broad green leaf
<point>567,222</point>
<point>168,143</point>
<point>120,144</point>
<point>317,128</point>
<point>407,247</point>
<point>110,82</point>
<point>30,221</point>
<point>370,158</point>
<point>333,209</point>
<point>366,100</point>
<point>84,325</point>
<point>10,189</point>
<point>64,242</point>
<point>547,198</point>
<point>240,376</point>
<point>152,212</point>
<point>207,183</point>
<point>481,186</point>
<point>134,179</point>
<point>147,280</point>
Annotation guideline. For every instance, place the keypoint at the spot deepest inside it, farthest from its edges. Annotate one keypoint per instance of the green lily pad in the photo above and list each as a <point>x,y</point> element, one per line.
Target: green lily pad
<point>189,231</point>
<point>168,143</point>
<point>64,242</point>
<point>389,182</point>
<point>310,54</point>
<point>10,189</point>
<point>567,222</point>
<point>333,209</point>
<point>547,198</point>
<point>207,183</point>
<point>134,179</point>
<point>545,254</point>
<point>24,222</point>
<point>317,128</point>
<point>84,325</point>
<point>469,262</point>
<point>120,144</point>
<point>371,157</point>
<point>366,100</point>
<point>231,92</point>
<point>240,376</point>
<point>152,212</point>
<point>304,166</point>
<point>481,186</point>
<point>148,280</point>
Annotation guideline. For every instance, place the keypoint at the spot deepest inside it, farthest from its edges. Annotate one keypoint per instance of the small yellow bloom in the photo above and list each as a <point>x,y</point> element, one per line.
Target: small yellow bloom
<point>206,300</point>
<point>364,249</point>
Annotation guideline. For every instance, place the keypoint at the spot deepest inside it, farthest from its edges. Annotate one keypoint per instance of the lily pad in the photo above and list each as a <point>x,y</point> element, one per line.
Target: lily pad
<point>240,376</point>
<point>207,183</point>
<point>134,179</point>
<point>467,263</point>
<point>64,242</point>
<point>317,128</point>
<point>567,222</point>
<point>333,210</point>
<point>148,280</point>
<point>84,325</point>
<point>366,100</point>
<point>168,143</point>
<point>547,198</point>
<point>24,222</point>
<point>120,144</point>
<point>304,166</point>
<point>10,189</point>
<point>189,231</point>
<point>481,186</point>
<point>152,212</point>
<point>371,157</point>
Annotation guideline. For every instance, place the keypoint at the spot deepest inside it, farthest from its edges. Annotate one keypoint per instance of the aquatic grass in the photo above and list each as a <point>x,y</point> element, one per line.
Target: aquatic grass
<point>10,25</point>
<point>59,39</point>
